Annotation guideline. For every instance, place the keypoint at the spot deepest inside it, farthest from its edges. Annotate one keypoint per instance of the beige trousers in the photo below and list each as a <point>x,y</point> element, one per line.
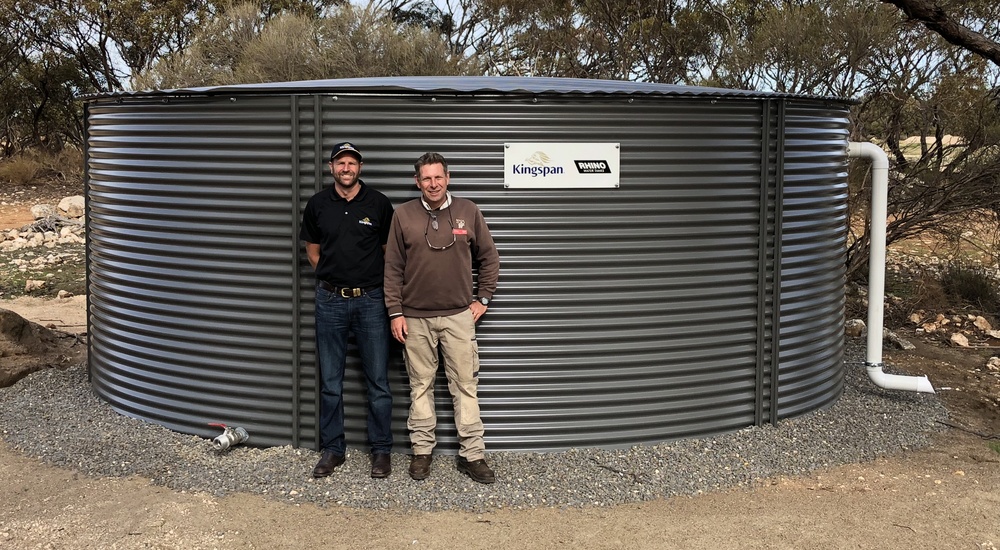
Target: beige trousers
<point>456,336</point>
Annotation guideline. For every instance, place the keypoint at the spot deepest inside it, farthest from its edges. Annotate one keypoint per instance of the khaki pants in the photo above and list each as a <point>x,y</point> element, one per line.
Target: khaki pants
<point>456,334</point>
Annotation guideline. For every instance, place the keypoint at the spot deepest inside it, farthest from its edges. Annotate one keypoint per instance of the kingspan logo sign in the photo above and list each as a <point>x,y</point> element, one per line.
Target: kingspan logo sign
<point>561,165</point>
<point>538,164</point>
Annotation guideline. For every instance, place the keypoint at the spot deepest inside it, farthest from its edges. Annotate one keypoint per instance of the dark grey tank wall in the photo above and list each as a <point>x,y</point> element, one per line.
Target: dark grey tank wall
<point>624,316</point>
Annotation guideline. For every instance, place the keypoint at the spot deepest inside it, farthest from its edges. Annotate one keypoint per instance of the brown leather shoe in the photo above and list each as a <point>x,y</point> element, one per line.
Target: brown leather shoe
<point>478,470</point>
<point>327,464</point>
<point>420,466</point>
<point>381,465</point>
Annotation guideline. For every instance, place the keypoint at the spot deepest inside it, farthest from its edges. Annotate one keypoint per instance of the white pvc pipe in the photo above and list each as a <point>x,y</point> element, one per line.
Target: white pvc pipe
<point>876,273</point>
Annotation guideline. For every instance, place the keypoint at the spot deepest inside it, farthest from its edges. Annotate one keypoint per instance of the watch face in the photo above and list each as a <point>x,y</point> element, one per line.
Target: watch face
<point>484,301</point>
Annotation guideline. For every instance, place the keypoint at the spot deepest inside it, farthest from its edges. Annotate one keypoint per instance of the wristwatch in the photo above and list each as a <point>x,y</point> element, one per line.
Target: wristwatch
<point>484,300</point>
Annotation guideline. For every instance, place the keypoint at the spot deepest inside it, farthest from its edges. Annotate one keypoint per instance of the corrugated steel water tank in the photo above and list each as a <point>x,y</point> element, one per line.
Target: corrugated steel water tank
<point>703,294</point>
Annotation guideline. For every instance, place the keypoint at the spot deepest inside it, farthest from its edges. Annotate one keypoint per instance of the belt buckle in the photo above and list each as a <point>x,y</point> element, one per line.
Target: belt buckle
<point>350,292</point>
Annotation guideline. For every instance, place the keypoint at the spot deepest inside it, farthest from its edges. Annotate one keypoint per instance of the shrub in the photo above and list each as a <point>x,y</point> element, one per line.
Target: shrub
<point>912,289</point>
<point>22,169</point>
<point>972,284</point>
<point>41,167</point>
<point>65,165</point>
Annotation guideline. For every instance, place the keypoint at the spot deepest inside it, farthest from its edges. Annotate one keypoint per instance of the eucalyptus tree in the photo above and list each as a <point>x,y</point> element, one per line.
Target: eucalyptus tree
<point>108,39</point>
<point>53,51</point>
<point>936,111</point>
<point>805,47</point>
<point>111,40</point>
<point>964,23</point>
<point>241,45</point>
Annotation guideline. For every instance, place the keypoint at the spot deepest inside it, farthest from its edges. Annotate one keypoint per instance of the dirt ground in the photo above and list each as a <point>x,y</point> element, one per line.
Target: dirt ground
<point>943,496</point>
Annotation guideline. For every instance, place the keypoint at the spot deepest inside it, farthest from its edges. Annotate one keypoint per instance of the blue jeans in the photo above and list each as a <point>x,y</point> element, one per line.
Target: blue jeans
<point>366,317</point>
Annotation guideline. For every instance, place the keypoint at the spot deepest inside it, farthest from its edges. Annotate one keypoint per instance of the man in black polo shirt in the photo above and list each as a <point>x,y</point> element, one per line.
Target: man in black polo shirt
<point>345,228</point>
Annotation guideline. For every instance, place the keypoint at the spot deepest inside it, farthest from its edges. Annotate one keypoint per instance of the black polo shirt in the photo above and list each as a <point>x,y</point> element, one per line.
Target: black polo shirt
<point>350,235</point>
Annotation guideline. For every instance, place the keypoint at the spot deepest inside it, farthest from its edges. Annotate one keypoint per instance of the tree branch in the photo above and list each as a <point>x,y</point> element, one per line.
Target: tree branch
<point>935,19</point>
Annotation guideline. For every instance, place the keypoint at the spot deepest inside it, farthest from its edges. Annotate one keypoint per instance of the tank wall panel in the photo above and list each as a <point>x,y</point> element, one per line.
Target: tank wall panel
<point>813,259</point>
<point>190,284</point>
<point>623,316</point>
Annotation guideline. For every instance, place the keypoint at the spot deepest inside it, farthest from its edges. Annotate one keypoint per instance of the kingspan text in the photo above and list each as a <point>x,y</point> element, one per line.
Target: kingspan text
<point>535,171</point>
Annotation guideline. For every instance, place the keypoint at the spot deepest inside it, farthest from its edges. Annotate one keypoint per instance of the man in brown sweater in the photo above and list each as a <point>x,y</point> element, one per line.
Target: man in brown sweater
<point>433,242</point>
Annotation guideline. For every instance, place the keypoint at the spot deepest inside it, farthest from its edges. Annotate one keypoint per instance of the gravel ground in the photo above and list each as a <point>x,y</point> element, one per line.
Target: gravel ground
<point>53,415</point>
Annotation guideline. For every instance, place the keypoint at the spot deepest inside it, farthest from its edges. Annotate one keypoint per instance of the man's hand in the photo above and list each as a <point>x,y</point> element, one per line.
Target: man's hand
<point>398,326</point>
<point>478,310</point>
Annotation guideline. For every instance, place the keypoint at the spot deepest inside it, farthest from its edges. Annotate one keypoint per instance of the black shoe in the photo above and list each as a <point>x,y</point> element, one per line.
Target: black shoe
<point>327,464</point>
<point>381,465</point>
<point>420,466</point>
<point>478,470</point>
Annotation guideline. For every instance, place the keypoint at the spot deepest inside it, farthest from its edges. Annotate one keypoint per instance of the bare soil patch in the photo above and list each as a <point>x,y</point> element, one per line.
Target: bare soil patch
<point>16,201</point>
<point>27,346</point>
<point>943,496</point>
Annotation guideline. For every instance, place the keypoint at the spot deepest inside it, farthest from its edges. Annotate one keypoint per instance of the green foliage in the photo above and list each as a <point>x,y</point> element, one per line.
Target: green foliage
<point>972,284</point>
<point>994,446</point>
<point>821,48</point>
<point>67,275</point>
<point>242,46</point>
<point>38,102</point>
<point>669,41</point>
<point>54,51</point>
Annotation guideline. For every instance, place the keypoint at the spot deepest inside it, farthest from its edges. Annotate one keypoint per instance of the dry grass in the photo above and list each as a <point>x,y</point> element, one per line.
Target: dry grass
<point>39,168</point>
<point>951,270</point>
<point>20,170</point>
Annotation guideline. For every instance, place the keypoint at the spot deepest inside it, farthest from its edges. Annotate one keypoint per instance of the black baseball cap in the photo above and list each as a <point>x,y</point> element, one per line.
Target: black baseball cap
<point>344,147</point>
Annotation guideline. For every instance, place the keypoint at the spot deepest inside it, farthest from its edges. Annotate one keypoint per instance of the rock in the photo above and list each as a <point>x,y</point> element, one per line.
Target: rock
<point>32,285</point>
<point>982,324</point>
<point>73,206</point>
<point>915,318</point>
<point>855,328</point>
<point>19,336</point>
<point>26,347</point>
<point>900,342</point>
<point>40,211</point>
<point>46,232</point>
<point>64,294</point>
<point>959,339</point>
<point>993,334</point>
<point>993,364</point>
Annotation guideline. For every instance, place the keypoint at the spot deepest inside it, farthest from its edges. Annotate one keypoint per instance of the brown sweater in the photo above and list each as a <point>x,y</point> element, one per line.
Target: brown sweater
<point>423,282</point>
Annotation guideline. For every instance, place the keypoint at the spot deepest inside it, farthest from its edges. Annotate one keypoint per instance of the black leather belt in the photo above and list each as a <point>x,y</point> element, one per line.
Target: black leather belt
<point>346,292</point>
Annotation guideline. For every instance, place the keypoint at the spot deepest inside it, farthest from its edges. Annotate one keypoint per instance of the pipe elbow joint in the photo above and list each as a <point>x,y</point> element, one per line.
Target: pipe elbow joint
<point>896,381</point>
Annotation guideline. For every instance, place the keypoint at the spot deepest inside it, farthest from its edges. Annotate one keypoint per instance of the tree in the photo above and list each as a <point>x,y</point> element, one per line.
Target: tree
<point>816,48</point>
<point>632,40</point>
<point>112,40</point>
<point>937,19</point>
<point>935,109</point>
<point>242,45</point>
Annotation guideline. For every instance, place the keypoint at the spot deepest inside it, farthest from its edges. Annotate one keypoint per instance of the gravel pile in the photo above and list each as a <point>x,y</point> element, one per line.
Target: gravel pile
<point>53,415</point>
